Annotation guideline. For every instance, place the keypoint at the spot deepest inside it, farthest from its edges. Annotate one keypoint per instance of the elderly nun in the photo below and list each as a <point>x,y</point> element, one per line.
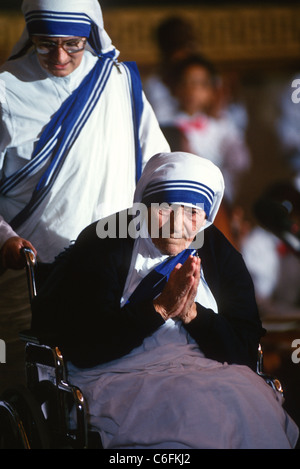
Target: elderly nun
<point>75,134</point>
<point>161,329</point>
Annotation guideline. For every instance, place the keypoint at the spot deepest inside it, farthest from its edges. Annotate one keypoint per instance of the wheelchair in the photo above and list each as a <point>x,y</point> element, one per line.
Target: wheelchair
<point>38,416</point>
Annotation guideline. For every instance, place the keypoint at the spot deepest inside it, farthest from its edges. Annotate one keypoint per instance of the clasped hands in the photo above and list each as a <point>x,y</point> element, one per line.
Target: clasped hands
<point>177,300</point>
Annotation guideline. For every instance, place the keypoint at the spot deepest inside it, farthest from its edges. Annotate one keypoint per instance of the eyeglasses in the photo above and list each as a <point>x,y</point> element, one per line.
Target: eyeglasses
<point>70,46</point>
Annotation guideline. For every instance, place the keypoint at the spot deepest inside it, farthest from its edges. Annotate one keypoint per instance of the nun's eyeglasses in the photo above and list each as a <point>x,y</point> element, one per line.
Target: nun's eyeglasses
<point>71,46</point>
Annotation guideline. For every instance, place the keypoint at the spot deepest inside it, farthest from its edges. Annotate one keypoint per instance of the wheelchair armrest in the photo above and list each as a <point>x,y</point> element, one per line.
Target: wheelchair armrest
<point>270,380</point>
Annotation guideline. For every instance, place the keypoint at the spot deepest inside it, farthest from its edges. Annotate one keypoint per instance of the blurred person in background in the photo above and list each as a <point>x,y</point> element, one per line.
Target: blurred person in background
<point>272,252</point>
<point>205,131</point>
<point>195,83</point>
<point>176,39</point>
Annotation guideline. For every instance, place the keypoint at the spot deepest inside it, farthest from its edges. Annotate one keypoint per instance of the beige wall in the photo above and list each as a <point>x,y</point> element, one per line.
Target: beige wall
<point>11,27</point>
<point>244,36</point>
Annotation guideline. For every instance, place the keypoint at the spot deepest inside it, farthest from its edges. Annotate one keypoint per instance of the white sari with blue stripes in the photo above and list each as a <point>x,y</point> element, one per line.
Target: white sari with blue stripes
<point>60,171</point>
<point>50,200</point>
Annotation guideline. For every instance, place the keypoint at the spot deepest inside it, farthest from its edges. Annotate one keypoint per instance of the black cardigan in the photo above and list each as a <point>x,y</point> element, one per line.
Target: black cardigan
<point>79,304</point>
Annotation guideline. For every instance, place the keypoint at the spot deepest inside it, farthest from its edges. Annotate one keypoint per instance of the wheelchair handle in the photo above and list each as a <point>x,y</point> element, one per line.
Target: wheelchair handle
<point>30,270</point>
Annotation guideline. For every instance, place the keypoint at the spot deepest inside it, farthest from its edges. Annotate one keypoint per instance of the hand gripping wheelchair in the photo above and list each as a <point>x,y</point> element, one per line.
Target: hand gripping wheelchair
<point>37,416</point>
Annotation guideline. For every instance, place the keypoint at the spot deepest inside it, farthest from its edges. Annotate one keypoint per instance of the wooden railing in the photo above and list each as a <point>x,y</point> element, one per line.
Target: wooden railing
<point>225,34</point>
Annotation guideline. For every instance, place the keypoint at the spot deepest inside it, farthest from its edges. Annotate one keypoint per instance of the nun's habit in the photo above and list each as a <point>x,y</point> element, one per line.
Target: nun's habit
<point>152,383</point>
<point>61,167</point>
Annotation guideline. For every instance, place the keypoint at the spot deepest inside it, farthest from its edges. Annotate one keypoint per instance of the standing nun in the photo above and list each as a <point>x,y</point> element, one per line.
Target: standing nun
<point>75,133</point>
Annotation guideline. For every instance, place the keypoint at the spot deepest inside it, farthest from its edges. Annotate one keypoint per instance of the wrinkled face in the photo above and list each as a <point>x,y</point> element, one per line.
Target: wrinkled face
<point>195,90</point>
<point>173,227</point>
<point>59,56</point>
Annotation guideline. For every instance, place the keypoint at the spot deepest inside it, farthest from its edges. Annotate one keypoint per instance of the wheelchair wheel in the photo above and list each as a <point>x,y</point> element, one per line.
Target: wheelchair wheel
<point>22,423</point>
<point>12,432</point>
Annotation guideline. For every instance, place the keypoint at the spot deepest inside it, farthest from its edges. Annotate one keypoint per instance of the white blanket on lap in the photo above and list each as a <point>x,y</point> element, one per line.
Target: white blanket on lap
<point>166,394</point>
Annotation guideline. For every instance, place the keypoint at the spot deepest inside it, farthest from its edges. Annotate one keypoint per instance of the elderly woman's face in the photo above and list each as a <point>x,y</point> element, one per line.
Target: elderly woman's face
<point>173,227</point>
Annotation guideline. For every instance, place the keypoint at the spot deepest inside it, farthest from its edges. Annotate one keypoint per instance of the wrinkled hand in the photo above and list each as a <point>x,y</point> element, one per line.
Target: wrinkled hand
<point>177,300</point>
<point>11,256</point>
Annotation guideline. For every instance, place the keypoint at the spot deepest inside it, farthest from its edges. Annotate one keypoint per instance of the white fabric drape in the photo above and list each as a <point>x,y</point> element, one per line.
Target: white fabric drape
<point>89,186</point>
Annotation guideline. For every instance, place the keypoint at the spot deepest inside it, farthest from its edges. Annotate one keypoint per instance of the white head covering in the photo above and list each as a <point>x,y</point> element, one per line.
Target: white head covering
<point>184,178</point>
<point>175,178</point>
<point>65,18</point>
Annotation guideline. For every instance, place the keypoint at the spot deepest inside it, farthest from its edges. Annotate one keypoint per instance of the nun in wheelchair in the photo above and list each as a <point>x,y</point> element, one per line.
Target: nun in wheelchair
<point>155,313</point>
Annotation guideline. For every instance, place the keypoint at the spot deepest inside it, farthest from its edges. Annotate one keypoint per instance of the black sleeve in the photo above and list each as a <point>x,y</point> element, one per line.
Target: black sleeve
<point>234,333</point>
<point>80,303</point>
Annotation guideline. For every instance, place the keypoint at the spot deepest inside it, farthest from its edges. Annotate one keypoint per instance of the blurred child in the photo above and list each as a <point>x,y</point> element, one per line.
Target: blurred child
<point>195,86</point>
<point>175,39</point>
